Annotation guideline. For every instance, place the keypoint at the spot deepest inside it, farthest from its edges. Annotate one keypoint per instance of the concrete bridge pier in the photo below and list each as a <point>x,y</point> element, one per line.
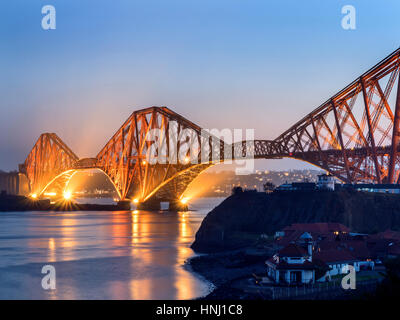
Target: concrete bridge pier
<point>155,205</point>
<point>124,205</point>
<point>150,205</point>
<point>177,205</point>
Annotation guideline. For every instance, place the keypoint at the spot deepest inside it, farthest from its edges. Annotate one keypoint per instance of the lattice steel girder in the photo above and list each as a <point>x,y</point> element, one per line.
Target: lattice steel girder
<point>372,117</point>
<point>48,158</point>
<point>354,135</point>
<point>152,146</point>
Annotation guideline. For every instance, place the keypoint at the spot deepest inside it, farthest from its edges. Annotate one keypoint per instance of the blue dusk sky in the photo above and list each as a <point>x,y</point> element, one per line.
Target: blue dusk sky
<point>220,63</point>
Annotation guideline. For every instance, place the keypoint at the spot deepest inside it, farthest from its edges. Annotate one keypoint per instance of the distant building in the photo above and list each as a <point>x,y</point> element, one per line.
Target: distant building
<point>14,183</point>
<point>297,186</point>
<point>285,187</point>
<point>326,182</point>
<point>303,186</point>
<point>370,187</point>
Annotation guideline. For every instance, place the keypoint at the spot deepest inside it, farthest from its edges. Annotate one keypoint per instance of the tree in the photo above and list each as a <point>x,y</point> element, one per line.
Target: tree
<point>237,190</point>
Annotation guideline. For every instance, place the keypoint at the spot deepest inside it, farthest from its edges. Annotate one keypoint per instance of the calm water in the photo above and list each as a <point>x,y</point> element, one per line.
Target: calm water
<point>101,255</point>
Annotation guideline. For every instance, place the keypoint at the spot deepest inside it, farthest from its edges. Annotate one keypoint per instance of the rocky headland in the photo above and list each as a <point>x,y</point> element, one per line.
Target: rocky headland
<point>245,217</point>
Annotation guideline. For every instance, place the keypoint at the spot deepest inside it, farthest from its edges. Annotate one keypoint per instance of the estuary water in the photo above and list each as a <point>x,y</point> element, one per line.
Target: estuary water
<point>101,255</point>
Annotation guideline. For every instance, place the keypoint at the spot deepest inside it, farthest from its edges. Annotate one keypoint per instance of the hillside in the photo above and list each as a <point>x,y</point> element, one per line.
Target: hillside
<point>240,219</point>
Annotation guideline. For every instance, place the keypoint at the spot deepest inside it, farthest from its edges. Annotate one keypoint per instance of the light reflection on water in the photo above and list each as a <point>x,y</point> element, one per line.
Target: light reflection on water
<point>101,255</point>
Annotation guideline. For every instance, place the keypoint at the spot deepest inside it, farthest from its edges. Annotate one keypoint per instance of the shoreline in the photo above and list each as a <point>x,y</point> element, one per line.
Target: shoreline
<point>188,267</point>
<point>233,265</point>
<point>9,203</point>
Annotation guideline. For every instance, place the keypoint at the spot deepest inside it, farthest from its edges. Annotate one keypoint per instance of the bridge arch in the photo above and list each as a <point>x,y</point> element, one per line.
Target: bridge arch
<point>177,185</point>
<point>58,186</point>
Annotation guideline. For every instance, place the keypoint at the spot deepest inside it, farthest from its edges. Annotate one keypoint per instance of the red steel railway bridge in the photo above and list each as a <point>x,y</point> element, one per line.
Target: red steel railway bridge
<point>354,135</point>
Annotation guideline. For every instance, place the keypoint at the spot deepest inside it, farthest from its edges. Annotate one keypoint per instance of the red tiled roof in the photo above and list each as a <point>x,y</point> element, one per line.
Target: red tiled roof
<point>387,234</point>
<point>289,238</point>
<point>293,250</point>
<point>318,227</point>
<point>394,249</point>
<point>334,255</point>
<point>292,236</point>
<point>356,248</point>
<point>378,247</point>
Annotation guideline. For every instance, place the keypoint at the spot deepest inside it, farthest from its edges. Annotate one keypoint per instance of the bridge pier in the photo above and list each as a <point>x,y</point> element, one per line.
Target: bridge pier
<point>151,205</point>
<point>155,205</point>
<point>124,205</point>
<point>177,205</point>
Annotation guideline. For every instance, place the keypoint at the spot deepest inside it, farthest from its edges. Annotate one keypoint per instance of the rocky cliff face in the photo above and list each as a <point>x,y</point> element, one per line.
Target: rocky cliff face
<point>241,218</point>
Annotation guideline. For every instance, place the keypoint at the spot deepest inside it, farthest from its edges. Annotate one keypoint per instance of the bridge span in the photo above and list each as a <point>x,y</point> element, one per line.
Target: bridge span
<point>157,153</point>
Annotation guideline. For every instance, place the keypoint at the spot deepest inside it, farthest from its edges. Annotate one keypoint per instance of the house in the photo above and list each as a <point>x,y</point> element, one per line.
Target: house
<point>384,244</point>
<point>292,265</point>
<point>387,234</point>
<point>318,227</point>
<point>319,231</point>
<point>394,250</point>
<point>353,244</point>
<point>303,186</point>
<point>296,265</point>
<point>338,262</point>
<point>297,186</point>
<point>326,182</point>
<point>310,252</point>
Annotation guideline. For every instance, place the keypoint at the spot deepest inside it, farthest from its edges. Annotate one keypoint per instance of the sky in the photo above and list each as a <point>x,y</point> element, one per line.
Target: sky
<point>236,64</point>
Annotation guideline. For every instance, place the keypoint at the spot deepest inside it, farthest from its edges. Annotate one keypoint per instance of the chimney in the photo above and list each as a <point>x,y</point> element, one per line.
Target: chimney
<point>310,249</point>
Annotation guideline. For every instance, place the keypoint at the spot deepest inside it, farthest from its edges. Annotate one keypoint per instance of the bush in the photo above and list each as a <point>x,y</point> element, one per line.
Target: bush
<point>237,190</point>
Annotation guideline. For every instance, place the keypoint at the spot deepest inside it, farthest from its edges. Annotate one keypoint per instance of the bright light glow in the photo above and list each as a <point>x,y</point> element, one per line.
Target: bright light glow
<point>186,160</point>
<point>136,200</point>
<point>143,162</point>
<point>50,194</point>
<point>33,195</point>
<point>136,211</point>
<point>67,195</point>
<point>184,200</point>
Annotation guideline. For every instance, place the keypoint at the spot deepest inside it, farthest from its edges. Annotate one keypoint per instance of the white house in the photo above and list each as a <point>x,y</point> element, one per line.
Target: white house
<point>326,182</point>
<point>292,265</point>
<point>298,262</point>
